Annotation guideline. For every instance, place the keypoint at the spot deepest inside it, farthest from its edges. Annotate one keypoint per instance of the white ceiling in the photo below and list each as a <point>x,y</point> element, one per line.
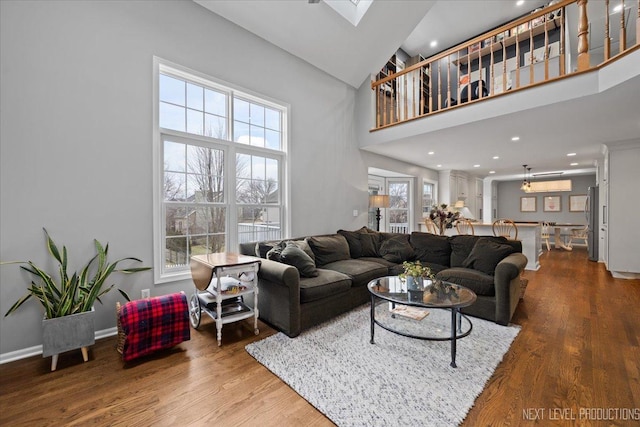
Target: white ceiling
<point>317,34</point>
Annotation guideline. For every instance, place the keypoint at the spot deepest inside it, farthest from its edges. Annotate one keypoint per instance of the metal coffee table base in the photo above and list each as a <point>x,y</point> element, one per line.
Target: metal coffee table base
<point>456,329</point>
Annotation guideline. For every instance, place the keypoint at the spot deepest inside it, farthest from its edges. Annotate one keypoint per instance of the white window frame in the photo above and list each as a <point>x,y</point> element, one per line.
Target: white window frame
<point>230,149</point>
<point>409,208</point>
<point>434,197</point>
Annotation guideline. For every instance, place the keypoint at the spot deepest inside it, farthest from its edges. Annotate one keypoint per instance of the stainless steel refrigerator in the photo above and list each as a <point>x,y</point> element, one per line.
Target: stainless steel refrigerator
<point>591,212</point>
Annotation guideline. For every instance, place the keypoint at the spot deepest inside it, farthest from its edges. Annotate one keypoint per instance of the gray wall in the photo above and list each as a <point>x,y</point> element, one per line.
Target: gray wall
<point>76,134</point>
<point>509,194</point>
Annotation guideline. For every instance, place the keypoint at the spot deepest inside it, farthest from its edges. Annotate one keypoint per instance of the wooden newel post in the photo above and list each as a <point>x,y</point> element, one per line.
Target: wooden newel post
<point>607,37</point>
<point>638,24</point>
<point>623,30</point>
<point>583,34</point>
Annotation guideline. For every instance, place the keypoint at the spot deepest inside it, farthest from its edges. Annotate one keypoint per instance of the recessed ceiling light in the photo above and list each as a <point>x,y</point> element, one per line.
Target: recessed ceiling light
<point>574,164</point>
<point>571,154</point>
<point>438,166</point>
<point>433,43</point>
<point>519,2</point>
<point>492,171</point>
<point>515,138</point>
<point>476,166</point>
<point>496,157</point>
<point>617,9</point>
<point>431,153</point>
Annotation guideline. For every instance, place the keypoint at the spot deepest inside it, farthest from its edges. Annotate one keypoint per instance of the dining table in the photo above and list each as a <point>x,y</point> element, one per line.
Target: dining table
<point>557,235</point>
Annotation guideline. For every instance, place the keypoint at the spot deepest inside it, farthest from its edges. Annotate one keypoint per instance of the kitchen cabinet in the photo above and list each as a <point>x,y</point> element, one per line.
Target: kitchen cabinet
<point>458,186</point>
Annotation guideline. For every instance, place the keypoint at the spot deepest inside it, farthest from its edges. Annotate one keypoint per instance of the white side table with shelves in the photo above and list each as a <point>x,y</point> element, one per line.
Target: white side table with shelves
<point>224,305</point>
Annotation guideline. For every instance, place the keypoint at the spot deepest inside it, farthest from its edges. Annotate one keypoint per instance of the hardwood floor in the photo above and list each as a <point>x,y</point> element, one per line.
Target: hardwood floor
<point>578,351</point>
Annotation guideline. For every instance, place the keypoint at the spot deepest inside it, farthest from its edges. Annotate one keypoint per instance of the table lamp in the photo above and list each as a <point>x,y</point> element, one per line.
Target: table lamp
<point>378,201</point>
<point>464,211</point>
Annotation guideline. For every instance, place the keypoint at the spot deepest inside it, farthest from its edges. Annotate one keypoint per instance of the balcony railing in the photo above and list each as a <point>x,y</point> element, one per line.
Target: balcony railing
<point>570,37</point>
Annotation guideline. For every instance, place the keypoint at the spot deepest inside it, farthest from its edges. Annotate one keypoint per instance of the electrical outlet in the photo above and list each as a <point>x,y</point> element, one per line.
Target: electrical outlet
<point>355,212</point>
<point>146,293</point>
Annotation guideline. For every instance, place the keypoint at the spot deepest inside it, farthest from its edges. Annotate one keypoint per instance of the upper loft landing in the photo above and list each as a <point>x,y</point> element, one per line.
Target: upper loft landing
<point>551,43</point>
<point>541,74</point>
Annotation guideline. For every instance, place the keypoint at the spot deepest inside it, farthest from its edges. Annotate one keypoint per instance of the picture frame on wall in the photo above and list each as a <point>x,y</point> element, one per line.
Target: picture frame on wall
<point>528,204</point>
<point>552,204</point>
<point>577,202</point>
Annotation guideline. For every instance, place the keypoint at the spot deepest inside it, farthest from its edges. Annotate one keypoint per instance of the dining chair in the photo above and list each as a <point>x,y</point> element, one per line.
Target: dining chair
<point>465,226</point>
<point>544,233</point>
<point>578,234</point>
<point>505,228</point>
<point>431,226</point>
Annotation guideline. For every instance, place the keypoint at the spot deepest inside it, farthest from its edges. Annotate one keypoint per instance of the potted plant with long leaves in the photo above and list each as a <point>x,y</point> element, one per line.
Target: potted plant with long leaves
<point>68,302</point>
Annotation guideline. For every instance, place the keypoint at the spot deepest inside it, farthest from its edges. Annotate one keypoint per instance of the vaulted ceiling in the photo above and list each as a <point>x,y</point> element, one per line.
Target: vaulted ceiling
<point>318,34</point>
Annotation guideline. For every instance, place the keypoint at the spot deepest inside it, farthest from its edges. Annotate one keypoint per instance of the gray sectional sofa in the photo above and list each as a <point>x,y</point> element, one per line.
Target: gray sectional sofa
<point>308,280</point>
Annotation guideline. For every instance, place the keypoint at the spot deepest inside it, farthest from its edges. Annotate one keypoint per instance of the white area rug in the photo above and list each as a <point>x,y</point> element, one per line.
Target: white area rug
<point>397,381</point>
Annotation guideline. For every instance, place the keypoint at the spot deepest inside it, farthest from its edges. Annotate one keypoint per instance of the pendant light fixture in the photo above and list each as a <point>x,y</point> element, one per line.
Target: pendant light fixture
<point>524,185</point>
<point>526,181</point>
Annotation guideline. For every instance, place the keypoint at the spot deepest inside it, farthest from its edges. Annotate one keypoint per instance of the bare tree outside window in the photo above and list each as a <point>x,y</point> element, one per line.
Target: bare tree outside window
<point>200,185</point>
<point>398,203</point>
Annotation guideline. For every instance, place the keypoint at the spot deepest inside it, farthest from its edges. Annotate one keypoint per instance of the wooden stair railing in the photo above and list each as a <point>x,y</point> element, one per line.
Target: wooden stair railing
<point>412,93</point>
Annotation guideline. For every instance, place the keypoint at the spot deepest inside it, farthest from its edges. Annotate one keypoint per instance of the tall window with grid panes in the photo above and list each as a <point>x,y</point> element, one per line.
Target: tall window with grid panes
<point>220,169</point>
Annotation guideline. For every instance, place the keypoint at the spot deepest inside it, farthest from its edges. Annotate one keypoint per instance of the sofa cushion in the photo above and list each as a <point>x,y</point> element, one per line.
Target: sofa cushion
<point>435,268</point>
<point>486,255</point>
<point>477,281</point>
<point>397,249</point>
<point>353,240</point>
<point>329,248</point>
<point>293,255</point>
<point>326,283</point>
<point>393,268</point>
<point>360,271</point>
<point>431,248</point>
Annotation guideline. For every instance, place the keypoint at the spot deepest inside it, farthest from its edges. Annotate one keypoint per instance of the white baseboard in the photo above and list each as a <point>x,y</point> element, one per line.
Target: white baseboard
<point>12,356</point>
<point>625,275</point>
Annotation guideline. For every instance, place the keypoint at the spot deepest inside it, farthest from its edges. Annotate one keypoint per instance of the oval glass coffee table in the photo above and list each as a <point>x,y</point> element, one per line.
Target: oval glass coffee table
<point>404,314</point>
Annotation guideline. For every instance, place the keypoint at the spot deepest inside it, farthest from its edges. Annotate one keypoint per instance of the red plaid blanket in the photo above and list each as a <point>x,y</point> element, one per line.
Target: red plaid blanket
<point>154,323</point>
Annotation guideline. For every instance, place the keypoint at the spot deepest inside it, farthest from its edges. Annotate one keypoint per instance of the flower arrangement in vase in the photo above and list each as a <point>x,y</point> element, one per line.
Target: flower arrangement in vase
<point>443,217</point>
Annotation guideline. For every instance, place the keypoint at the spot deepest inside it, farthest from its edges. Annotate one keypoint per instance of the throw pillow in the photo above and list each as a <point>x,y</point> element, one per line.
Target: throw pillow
<point>329,248</point>
<point>486,255</point>
<point>304,245</point>
<point>263,247</point>
<point>370,244</point>
<point>397,249</point>
<point>275,252</point>
<point>431,248</point>
<point>293,255</point>
<point>461,247</point>
<point>353,239</point>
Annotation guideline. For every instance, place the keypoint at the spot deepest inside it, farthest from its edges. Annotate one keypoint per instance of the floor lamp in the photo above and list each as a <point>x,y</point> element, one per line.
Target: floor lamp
<point>378,201</point>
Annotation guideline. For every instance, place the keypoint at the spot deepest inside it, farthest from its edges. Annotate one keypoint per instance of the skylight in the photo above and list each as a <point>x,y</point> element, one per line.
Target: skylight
<point>352,10</point>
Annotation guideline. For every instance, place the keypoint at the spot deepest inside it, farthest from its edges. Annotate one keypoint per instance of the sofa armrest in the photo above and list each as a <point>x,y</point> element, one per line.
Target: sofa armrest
<point>279,272</point>
<point>279,296</point>
<point>510,267</point>
<point>507,286</point>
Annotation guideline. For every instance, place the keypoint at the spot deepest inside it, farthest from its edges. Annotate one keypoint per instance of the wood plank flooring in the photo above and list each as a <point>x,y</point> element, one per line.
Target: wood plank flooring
<point>578,349</point>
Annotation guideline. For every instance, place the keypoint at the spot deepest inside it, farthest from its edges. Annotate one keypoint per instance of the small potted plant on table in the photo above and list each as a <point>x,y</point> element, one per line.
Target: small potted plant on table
<point>414,275</point>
